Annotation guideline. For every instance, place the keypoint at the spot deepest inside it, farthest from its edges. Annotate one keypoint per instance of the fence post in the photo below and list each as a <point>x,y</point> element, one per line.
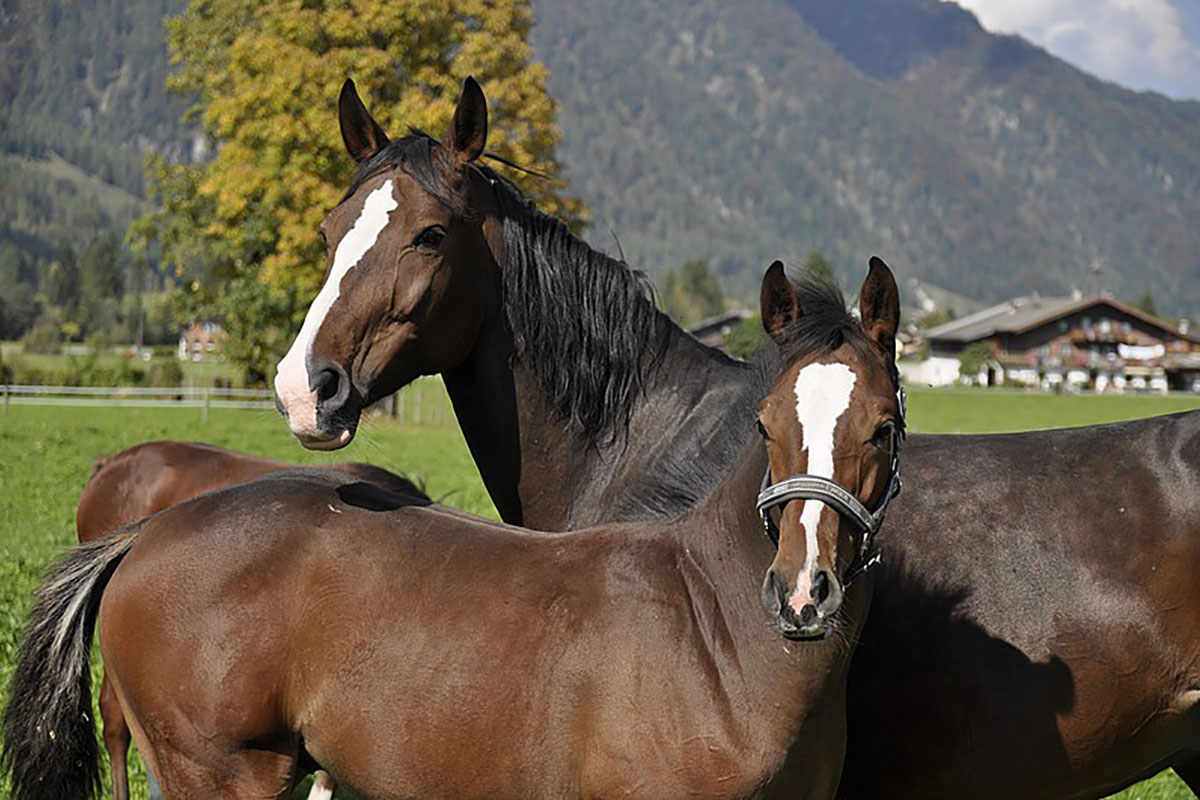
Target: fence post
<point>417,407</point>
<point>6,399</point>
<point>207,401</point>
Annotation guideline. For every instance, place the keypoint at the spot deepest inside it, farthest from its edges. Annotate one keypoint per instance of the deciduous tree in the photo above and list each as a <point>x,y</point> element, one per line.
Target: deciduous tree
<point>266,77</point>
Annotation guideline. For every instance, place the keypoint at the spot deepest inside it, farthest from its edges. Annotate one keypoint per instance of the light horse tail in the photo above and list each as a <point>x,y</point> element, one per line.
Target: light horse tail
<point>50,750</point>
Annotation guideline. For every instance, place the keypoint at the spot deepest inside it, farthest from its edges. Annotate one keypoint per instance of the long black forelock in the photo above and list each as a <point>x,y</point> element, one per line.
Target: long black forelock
<point>583,322</point>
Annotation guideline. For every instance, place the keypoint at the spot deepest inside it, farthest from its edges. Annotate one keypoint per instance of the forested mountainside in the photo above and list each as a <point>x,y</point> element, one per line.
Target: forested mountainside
<point>702,129</point>
<point>740,132</point>
<point>81,99</point>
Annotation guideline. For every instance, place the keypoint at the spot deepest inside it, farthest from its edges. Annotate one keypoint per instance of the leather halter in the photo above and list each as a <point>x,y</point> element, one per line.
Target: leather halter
<point>837,497</point>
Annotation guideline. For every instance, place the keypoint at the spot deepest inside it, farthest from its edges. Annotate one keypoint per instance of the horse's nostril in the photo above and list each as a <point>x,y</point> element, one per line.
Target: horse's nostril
<point>808,614</point>
<point>820,590</point>
<point>326,385</point>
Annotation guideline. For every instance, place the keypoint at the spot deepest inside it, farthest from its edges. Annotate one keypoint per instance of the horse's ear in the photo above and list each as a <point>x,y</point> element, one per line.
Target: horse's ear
<point>879,305</point>
<point>468,132</point>
<point>780,304</point>
<point>361,133</point>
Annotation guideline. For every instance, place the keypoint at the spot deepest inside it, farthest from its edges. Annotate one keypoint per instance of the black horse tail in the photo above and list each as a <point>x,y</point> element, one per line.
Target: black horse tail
<point>50,750</point>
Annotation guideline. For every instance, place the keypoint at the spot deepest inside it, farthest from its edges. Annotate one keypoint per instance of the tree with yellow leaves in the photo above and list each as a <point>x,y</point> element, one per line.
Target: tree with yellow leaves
<point>242,228</point>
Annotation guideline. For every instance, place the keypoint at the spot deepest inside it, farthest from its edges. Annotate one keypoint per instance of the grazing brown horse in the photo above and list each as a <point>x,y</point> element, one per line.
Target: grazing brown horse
<point>155,475</point>
<point>464,658</point>
<point>151,476</point>
<point>1020,607</point>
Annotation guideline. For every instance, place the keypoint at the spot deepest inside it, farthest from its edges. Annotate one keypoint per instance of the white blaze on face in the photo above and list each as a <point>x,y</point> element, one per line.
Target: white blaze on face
<point>291,377</point>
<point>822,396</point>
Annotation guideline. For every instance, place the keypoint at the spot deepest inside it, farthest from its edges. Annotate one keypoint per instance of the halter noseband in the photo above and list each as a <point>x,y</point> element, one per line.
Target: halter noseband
<point>837,497</point>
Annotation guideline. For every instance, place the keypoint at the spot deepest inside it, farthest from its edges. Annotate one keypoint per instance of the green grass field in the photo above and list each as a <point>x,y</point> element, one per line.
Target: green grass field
<point>46,453</point>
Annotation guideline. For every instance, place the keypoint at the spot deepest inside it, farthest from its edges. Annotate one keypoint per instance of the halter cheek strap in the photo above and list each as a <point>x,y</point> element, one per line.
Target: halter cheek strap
<point>837,497</point>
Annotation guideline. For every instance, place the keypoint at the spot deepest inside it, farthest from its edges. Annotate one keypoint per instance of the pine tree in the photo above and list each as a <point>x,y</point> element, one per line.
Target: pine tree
<point>691,293</point>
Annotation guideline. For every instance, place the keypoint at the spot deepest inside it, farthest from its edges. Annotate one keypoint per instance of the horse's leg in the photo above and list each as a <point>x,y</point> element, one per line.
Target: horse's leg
<point>116,739</point>
<point>322,786</point>
<point>1189,772</point>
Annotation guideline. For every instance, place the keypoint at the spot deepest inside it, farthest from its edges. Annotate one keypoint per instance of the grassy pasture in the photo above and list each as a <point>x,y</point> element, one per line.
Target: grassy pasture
<point>46,453</point>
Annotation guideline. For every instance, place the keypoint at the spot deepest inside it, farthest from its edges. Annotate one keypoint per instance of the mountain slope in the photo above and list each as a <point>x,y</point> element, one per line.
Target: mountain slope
<point>981,163</point>
<point>81,84</point>
<point>736,133</point>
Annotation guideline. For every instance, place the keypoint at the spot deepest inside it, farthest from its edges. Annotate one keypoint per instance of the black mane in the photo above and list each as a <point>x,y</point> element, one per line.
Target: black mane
<point>584,323</point>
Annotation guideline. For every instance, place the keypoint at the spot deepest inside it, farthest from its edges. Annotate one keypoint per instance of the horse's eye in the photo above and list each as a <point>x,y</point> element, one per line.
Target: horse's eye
<point>430,238</point>
<point>762,431</point>
<point>883,435</point>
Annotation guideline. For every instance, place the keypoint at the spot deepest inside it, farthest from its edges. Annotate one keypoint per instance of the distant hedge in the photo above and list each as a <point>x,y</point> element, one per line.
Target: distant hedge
<point>89,372</point>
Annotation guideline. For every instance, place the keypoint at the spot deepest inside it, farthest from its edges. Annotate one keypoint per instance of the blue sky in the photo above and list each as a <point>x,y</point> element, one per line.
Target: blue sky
<point>1142,44</point>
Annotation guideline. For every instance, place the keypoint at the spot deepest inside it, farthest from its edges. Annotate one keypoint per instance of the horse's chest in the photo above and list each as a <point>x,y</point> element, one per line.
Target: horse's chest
<point>680,763</point>
<point>700,771</point>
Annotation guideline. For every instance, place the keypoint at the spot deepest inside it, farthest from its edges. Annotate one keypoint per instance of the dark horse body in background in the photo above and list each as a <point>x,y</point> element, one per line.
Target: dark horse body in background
<point>1051,629</point>
<point>152,476</point>
<point>1035,631</point>
<point>418,651</point>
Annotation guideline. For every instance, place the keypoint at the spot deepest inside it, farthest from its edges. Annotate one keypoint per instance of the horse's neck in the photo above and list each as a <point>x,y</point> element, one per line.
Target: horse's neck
<point>725,559</point>
<point>686,428</point>
<point>486,398</point>
<point>542,473</point>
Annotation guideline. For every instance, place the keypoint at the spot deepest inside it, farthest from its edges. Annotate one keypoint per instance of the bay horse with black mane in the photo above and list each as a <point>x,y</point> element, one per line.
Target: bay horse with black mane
<point>152,476</point>
<point>418,651</point>
<point>1024,575</point>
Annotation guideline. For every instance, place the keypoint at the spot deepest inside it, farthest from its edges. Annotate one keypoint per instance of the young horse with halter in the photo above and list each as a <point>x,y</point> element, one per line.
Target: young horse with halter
<point>152,476</point>
<point>624,660</point>
<point>1007,606</point>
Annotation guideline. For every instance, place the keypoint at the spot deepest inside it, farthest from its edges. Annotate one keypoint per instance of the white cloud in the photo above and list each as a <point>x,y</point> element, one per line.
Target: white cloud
<point>1137,43</point>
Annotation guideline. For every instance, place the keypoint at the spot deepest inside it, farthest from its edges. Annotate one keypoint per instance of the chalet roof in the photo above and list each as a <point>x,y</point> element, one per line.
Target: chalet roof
<point>1023,314</point>
<point>716,324</point>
